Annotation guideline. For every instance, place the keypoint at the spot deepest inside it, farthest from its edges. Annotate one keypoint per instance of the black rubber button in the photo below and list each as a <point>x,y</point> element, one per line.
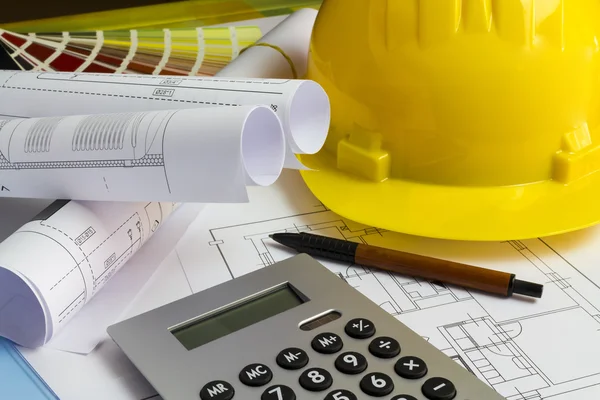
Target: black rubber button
<point>438,389</point>
<point>315,379</point>
<point>377,384</point>
<point>292,358</point>
<point>360,328</point>
<point>217,390</point>
<point>341,394</point>
<point>384,347</point>
<point>256,375</point>
<point>410,367</point>
<point>403,397</point>
<point>327,343</point>
<point>351,363</point>
<point>278,392</point>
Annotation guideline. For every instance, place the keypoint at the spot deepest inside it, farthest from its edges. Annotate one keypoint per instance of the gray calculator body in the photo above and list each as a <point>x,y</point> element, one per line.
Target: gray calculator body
<point>292,330</point>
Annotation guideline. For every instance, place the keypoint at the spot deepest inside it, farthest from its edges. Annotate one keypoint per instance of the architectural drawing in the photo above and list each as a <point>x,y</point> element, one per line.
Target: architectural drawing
<point>512,344</point>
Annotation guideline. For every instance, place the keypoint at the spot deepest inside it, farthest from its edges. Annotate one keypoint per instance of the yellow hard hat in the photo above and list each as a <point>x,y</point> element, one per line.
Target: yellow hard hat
<point>460,119</point>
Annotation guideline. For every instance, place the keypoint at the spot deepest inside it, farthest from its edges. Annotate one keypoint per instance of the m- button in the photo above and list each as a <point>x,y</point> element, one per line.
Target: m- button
<point>217,390</point>
<point>256,375</point>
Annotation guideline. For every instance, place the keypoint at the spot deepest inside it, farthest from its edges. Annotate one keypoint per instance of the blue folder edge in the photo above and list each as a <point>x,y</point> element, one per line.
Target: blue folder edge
<point>18,379</point>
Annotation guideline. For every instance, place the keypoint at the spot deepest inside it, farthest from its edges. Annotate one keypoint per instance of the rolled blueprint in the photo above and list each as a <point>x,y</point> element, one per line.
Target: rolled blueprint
<point>301,105</point>
<point>56,263</point>
<point>201,155</point>
<point>281,53</point>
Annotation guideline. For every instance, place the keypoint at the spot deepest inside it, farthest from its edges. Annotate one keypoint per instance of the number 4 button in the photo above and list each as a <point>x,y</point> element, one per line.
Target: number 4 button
<point>377,384</point>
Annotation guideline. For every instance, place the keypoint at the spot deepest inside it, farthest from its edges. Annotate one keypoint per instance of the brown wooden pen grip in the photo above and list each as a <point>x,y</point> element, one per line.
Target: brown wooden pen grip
<point>434,269</point>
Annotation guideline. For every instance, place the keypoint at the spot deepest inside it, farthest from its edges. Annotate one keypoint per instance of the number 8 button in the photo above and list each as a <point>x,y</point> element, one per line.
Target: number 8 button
<point>315,379</point>
<point>377,384</point>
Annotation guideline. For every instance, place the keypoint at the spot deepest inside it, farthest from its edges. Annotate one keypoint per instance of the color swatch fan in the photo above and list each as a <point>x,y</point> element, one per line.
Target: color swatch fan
<point>195,51</point>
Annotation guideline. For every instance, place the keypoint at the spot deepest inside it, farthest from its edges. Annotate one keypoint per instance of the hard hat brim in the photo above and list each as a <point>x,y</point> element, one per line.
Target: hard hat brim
<point>490,213</point>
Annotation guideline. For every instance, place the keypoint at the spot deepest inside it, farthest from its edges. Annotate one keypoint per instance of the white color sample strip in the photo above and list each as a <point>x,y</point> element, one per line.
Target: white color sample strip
<point>291,36</point>
<point>55,264</point>
<point>302,105</point>
<point>199,155</point>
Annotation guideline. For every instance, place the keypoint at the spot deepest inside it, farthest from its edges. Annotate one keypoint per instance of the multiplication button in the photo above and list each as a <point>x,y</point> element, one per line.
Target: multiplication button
<point>278,392</point>
<point>351,363</point>
<point>438,389</point>
<point>360,328</point>
<point>341,395</point>
<point>327,343</point>
<point>315,379</point>
<point>256,375</point>
<point>292,358</point>
<point>377,384</point>
<point>217,390</point>
<point>384,347</point>
<point>410,367</point>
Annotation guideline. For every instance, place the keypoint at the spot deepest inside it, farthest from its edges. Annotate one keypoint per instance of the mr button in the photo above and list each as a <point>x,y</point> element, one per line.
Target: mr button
<point>217,390</point>
<point>256,375</point>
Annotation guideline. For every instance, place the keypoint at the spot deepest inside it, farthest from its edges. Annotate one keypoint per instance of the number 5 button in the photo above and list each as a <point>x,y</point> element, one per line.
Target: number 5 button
<point>377,384</point>
<point>341,395</point>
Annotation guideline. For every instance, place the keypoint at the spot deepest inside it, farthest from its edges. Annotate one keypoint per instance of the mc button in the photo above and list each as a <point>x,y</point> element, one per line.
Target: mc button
<point>256,375</point>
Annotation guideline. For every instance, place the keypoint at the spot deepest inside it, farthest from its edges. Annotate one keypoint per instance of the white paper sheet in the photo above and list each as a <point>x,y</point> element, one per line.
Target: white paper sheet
<point>524,348</point>
<point>187,155</point>
<point>302,105</point>
<point>54,265</point>
<point>290,37</point>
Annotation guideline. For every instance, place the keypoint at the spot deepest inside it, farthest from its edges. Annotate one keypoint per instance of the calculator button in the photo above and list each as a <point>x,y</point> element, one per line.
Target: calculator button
<point>341,395</point>
<point>377,384</point>
<point>327,343</point>
<point>256,375</point>
<point>292,358</point>
<point>384,347</point>
<point>315,379</point>
<point>278,392</point>
<point>217,390</point>
<point>403,397</point>
<point>438,389</point>
<point>351,363</point>
<point>360,328</point>
<point>411,367</point>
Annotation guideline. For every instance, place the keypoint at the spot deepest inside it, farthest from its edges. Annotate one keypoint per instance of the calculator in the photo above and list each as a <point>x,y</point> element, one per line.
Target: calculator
<point>293,330</point>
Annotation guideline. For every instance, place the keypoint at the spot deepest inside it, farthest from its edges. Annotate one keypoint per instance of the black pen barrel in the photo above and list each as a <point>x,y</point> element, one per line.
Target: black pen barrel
<point>318,246</point>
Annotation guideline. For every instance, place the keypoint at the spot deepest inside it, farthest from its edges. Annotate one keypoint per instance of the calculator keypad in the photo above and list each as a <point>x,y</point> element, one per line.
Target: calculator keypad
<point>316,379</point>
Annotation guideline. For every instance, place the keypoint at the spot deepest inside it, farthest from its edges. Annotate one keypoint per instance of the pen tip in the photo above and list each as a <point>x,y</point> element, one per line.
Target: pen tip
<point>528,288</point>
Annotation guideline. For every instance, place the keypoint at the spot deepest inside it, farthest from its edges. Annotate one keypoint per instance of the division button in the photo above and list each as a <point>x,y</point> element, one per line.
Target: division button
<point>341,394</point>
<point>410,367</point>
<point>327,343</point>
<point>278,392</point>
<point>351,363</point>
<point>315,379</point>
<point>384,347</point>
<point>403,397</point>
<point>217,390</point>
<point>292,358</point>
<point>377,384</point>
<point>360,328</point>
<point>256,375</point>
<point>438,389</point>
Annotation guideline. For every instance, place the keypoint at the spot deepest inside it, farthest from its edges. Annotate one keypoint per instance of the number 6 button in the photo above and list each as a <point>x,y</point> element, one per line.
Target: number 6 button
<point>315,379</point>
<point>377,384</point>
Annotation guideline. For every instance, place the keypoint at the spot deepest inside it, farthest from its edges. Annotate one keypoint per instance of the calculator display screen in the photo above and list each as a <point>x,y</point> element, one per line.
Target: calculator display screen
<point>238,316</point>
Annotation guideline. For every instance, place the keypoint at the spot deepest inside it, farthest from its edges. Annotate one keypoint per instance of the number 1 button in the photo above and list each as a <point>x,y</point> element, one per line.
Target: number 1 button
<point>341,395</point>
<point>278,392</point>
<point>377,384</point>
